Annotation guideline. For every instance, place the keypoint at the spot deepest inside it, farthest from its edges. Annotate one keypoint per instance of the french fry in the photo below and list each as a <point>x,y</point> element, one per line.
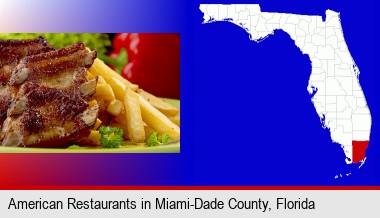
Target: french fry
<point>175,119</point>
<point>94,137</point>
<point>115,107</point>
<point>101,103</point>
<point>121,118</point>
<point>90,76</point>
<point>101,80</point>
<point>158,103</point>
<point>104,91</point>
<point>158,121</point>
<point>133,115</point>
<point>97,124</point>
<point>121,122</point>
<point>154,118</point>
<point>92,103</point>
<point>118,88</point>
<point>99,68</point>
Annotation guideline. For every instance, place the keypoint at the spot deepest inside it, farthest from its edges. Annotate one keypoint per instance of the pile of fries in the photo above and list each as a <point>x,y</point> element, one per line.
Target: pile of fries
<point>137,112</point>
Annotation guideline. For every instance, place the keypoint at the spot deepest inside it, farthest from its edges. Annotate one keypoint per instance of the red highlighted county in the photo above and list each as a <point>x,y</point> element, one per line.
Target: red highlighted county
<point>358,150</point>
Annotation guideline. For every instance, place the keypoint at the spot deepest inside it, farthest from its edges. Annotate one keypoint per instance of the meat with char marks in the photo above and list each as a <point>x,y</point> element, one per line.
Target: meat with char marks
<point>50,96</point>
<point>11,52</point>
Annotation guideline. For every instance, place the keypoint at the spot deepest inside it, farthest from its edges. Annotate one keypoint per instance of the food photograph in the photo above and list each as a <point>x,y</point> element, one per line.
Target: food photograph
<point>89,93</point>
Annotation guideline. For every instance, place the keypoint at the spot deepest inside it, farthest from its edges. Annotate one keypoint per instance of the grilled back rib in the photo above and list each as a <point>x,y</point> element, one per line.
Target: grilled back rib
<point>11,52</point>
<point>50,94</point>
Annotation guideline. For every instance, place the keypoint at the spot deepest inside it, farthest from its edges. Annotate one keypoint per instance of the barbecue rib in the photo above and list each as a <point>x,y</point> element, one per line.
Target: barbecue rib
<point>50,99</point>
<point>11,52</point>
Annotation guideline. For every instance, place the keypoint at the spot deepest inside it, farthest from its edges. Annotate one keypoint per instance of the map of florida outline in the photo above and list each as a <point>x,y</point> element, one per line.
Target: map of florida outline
<point>337,95</point>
